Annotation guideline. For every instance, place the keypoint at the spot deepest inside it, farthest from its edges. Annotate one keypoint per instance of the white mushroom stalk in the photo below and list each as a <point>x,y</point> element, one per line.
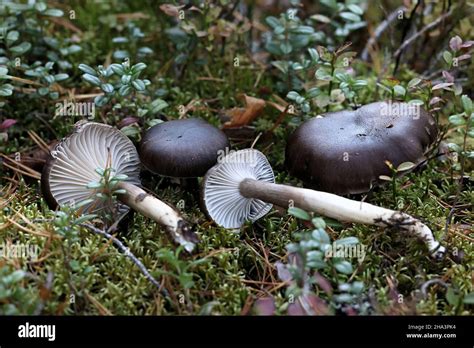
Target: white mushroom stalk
<point>72,166</point>
<point>237,188</point>
<point>159,211</point>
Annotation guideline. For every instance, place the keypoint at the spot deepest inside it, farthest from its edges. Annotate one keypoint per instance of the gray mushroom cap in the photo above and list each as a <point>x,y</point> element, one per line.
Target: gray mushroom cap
<point>73,162</point>
<point>182,148</point>
<point>345,152</point>
<point>220,188</point>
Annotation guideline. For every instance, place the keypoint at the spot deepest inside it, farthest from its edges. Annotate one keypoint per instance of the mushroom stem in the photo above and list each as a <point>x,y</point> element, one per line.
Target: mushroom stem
<point>160,212</point>
<point>339,208</point>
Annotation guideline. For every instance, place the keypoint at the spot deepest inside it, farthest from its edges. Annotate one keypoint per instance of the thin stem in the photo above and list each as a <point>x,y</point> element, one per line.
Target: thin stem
<point>130,255</point>
<point>339,208</point>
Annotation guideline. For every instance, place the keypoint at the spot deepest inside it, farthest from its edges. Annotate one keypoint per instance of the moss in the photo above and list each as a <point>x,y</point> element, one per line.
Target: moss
<point>232,266</point>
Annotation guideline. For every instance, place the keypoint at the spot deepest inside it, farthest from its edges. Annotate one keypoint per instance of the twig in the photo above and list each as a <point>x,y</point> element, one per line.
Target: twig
<point>428,27</point>
<point>47,286</point>
<point>405,32</point>
<point>380,30</point>
<point>130,255</point>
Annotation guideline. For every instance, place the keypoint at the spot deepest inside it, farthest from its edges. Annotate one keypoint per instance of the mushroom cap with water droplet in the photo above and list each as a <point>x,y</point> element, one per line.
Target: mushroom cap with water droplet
<point>220,188</point>
<point>345,152</point>
<point>182,148</point>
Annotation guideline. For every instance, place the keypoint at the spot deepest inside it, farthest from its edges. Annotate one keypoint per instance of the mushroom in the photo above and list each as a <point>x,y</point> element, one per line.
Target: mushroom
<point>72,165</point>
<point>182,148</point>
<point>241,187</point>
<point>345,152</point>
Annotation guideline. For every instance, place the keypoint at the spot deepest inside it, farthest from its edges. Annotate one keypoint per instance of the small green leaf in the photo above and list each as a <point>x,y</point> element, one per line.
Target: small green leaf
<point>84,218</point>
<point>126,79</point>
<point>321,18</point>
<point>61,77</point>
<point>75,265</point>
<point>42,91</point>
<point>405,166</point>
<point>299,213</point>
<point>343,266</point>
<point>321,236</point>
<point>385,178</point>
<point>285,47</point>
<point>120,39</point>
<point>323,74</point>
<point>347,241</point>
<point>457,120</point>
<point>12,36</point>
<point>272,21</point>
<point>313,54</point>
<point>355,9</point>
<point>130,131</point>
<point>3,71</point>
<point>120,177</point>
<point>138,67</point>
<point>292,95</point>
<point>117,69</point>
<point>21,48</point>
<point>414,82</point>
<point>469,298</point>
<point>107,88</point>
<point>125,90</point>
<point>157,105</point>
<point>40,6</point>
<point>83,203</point>
<point>16,276</point>
<point>467,104</point>
<point>350,16</point>
<point>357,287</point>
<point>92,79</point>
<point>452,297</point>
<point>101,100</point>
<point>87,69</point>
<point>54,12</point>
<point>360,83</point>
<point>138,85</point>
<point>448,57</point>
<point>399,90</point>
<point>303,29</point>
<point>319,222</point>
<point>94,185</point>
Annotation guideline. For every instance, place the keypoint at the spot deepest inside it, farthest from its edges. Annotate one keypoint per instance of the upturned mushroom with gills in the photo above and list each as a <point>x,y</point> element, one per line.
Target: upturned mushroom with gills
<point>346,152</point>
<point>72,165</point>
<point>241,187</point>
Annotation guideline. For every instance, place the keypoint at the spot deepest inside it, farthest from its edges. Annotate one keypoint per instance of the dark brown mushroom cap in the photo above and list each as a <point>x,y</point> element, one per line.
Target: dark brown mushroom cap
<point>182,148</point>
<point>345,152</point>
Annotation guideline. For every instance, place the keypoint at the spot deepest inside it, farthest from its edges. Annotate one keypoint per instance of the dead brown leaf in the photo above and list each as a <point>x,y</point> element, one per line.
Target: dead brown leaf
<point>243,116</point>
<point>171,10</point>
